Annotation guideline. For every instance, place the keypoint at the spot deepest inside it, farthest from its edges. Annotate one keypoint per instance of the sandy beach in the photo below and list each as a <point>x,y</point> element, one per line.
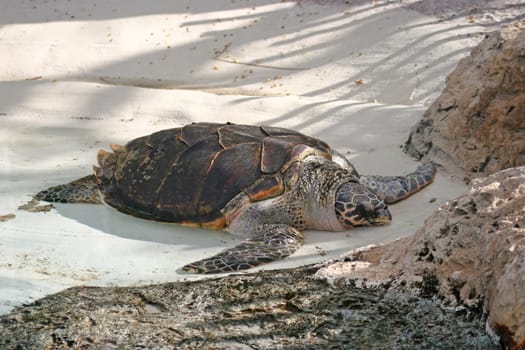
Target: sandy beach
<point>76,76</point>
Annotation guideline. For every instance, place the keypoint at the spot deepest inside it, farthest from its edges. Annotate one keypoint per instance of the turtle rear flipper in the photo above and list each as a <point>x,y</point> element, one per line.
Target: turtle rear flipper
<point>271,242</point>
<point>396,188</point>
<point>83,190</point>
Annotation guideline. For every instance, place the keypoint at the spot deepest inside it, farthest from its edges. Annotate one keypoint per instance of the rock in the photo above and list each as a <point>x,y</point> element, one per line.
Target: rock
<point>471,251</point>
<point>477,126</point>
<point>265,310</point>
<point>7,217</point>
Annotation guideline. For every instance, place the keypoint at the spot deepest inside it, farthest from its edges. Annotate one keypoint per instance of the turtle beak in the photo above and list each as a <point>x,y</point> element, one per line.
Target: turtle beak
<point>383,217</point>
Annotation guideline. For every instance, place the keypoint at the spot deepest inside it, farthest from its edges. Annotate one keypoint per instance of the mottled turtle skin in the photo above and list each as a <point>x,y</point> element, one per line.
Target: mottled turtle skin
<point>265,183</point>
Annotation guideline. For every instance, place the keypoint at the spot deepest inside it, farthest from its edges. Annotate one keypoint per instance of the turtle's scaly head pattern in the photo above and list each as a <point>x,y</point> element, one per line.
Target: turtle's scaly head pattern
<point>356,205</point>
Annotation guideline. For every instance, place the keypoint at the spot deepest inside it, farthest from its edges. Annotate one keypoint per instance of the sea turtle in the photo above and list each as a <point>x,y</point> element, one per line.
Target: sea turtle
<point>265,183</point>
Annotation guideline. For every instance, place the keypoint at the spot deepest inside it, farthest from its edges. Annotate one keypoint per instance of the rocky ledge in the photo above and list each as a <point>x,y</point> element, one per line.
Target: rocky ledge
<point>267,310</point>
<point>473,248</point>
<point>477,126</point>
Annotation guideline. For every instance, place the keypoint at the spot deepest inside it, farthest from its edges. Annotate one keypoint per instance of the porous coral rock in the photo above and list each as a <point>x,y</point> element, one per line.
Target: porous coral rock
<point>474,246</point>
<point>477,126</point>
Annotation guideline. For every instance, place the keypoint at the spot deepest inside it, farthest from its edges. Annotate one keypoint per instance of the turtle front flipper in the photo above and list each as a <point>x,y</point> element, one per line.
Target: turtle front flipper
<point>271,242</point>
<point>83,190</point>
<point>396,188</point>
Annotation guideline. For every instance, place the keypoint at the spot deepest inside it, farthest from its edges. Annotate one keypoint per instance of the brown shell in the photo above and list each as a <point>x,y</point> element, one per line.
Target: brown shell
<point>187,175</point>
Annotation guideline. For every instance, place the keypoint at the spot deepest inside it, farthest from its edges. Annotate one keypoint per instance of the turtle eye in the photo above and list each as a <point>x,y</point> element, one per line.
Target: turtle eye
<point>364,210</point>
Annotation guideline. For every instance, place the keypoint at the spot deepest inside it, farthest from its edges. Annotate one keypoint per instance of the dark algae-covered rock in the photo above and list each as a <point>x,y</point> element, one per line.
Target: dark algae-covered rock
<point>267,310</point>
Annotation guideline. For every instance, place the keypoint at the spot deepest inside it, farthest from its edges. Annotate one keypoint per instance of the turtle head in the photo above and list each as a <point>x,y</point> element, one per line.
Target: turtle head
<point>357,205</point>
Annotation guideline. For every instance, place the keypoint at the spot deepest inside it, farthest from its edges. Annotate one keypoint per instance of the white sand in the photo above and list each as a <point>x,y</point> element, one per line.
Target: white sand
<point>77,75</point>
